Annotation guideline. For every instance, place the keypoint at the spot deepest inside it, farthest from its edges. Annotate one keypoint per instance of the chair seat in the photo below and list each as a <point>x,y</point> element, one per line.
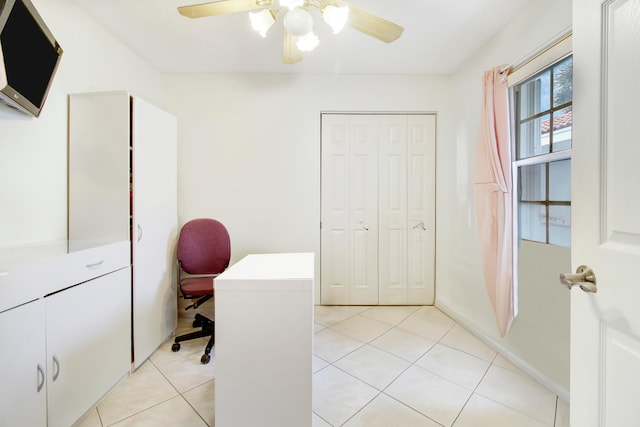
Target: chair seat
<point>197,286</point>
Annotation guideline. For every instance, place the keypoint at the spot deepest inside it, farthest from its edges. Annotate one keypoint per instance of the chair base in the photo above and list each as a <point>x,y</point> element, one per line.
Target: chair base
<point>207,330</point>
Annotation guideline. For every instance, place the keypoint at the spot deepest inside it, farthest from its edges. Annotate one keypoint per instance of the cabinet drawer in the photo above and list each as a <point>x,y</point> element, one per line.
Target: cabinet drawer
<point>81,266</point>
<point>25,269</point>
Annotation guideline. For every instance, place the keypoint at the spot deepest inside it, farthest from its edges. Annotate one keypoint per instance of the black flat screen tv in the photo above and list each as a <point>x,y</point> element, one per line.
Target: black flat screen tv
<point>29,57</point>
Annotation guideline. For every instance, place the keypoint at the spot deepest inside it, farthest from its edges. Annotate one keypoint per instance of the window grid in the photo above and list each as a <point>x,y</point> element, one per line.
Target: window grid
<point>529,108</point>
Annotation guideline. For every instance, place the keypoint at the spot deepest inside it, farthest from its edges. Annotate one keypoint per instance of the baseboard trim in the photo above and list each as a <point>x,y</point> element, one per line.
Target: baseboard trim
<point>552,386</point>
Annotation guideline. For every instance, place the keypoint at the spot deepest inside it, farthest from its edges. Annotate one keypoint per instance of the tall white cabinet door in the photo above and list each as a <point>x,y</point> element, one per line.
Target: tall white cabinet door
<point>392,181</point>
<point>421,196</point>
<point>88,337</point>
<point>363,201</point>
<point>23,391</point>
<point>98,169</point>
<point>154,148</point>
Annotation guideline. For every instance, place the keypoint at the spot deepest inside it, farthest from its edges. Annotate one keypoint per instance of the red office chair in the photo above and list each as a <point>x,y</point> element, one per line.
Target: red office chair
<point>204,250</point>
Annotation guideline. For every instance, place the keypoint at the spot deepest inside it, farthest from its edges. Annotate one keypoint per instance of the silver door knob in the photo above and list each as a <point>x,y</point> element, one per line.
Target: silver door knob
<point>584,277</point>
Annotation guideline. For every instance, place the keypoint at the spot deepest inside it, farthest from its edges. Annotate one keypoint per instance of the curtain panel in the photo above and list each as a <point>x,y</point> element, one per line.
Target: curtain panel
<point>493,197</point>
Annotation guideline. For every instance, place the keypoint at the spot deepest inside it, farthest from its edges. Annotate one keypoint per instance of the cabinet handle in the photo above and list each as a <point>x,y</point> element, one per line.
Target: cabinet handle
<point>139,232</point>
<point>56,368</point>
<point>95,264</point>
<point>40,378</point>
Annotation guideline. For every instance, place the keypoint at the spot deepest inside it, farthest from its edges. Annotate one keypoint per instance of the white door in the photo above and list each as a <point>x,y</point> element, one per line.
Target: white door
<point>349,235</point>
<point>378,209</point>
<point>605,326</point>
<point>407,209</point>
<point>155,228</point>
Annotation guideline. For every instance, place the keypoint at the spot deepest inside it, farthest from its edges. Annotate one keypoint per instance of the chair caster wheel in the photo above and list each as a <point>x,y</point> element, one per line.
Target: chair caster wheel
<point>205,359</point>
<point>175,347</point>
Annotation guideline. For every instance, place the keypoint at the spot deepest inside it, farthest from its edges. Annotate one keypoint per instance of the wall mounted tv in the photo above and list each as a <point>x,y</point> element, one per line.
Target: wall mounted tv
<point>29,56</point>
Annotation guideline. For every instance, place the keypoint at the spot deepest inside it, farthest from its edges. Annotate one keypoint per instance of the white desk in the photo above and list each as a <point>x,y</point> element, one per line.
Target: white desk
<point>263,342</point>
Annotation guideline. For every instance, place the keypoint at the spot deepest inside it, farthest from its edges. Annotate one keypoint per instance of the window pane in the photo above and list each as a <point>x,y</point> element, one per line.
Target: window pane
<point>563,82</point>
<point>534,95</point>
<point>533,224</point>
<point>560,225</point>
<point>534,137</point>
<point>562,124</point>
<point>560,181</point>
<point>533,183</point>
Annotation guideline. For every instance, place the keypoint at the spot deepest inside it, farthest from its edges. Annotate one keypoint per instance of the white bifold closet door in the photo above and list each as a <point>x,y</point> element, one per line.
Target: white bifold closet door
<point>378,209</point>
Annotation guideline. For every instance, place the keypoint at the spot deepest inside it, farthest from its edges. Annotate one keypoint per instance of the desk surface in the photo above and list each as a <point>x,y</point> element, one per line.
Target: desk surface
<point>264,268</point>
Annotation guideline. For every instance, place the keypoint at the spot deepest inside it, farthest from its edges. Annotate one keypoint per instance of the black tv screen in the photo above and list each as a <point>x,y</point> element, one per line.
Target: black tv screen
<point>31,56</point>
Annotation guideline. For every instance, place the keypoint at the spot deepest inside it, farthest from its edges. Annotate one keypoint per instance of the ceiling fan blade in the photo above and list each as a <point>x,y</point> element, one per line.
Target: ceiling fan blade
<point>290,53</point>
<point>222,7</point>
<point>373,25</point>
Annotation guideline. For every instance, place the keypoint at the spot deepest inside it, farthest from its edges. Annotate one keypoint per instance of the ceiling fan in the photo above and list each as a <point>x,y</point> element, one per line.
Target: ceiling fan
<point>298,22</point>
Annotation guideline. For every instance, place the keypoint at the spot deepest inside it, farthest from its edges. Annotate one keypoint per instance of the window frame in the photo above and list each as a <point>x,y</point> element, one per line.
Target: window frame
<point>539,159</point>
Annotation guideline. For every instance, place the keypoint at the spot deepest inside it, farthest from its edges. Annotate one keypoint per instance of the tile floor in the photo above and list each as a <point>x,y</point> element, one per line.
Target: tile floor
<point>372,366</point>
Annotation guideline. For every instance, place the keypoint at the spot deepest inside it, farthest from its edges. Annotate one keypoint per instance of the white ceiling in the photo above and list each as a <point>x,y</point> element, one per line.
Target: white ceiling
<point>439,35</point>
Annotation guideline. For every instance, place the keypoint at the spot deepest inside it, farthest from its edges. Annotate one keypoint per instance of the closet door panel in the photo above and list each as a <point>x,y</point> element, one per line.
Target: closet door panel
<point>392,181</point>
<point>421,209</point>
<point>335,233</point>
<point>363,217</point>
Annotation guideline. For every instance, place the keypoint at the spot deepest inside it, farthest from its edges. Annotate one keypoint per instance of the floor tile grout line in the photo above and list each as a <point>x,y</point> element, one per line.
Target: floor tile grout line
<point>473,392</point>
<point>178,391</point>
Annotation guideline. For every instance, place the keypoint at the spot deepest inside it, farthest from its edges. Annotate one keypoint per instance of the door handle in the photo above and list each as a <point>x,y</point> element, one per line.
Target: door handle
<point>40,378</point>
<point>583,277</point>
<point>364,226</point>
<point>420,225</point>
<point>56,368</point>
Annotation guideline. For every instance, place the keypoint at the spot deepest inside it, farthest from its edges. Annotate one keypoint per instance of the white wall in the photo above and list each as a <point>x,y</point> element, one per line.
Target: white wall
<point>33,152</point>
<point>249,147</point>
<point>460,285</point>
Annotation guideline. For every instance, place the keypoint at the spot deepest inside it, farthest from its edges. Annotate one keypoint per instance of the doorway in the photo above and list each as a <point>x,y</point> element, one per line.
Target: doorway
<point>377,209</point>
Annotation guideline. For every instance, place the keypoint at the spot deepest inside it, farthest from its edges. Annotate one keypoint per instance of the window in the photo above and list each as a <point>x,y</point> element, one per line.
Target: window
<point>542,168</point>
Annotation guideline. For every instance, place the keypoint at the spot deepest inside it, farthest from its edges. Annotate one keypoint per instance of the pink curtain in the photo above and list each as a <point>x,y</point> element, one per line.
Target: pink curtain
<point>493,198</point>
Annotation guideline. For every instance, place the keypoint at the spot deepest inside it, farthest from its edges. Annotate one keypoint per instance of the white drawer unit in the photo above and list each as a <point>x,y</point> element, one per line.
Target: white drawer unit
<point>67,334</point>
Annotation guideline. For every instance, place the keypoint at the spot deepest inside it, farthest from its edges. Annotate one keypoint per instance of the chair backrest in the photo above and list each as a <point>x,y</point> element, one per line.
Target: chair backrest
<point>204,247</point>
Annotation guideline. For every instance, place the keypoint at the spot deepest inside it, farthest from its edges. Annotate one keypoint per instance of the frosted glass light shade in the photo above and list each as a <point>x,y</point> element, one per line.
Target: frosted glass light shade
<point>307,42</point>
<point>298,22</point>
<point>336,17</point>
<point>262,21</point>
<point>291,4</point>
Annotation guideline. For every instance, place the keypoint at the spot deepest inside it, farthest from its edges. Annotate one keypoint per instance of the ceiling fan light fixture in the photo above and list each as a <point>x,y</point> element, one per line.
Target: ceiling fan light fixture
<point>262,21</point>
<point>336,17</point>
<point>298,22</point>
<point>308,42</point>
<point>291,4</point>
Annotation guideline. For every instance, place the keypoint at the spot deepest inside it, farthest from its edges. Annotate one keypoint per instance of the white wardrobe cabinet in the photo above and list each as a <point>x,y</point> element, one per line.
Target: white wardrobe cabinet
<point>123,186</point>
